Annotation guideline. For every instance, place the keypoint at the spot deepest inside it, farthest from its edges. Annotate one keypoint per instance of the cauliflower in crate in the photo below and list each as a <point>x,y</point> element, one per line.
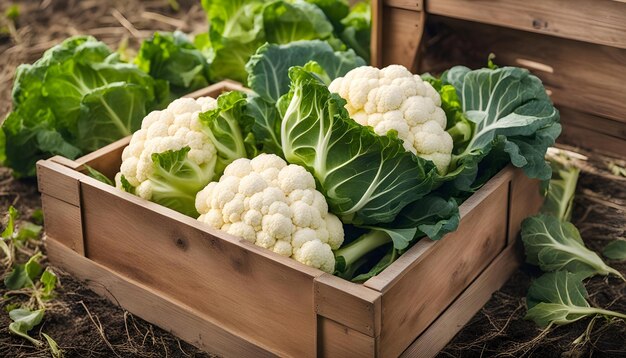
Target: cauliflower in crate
<point>393,98</point>
<point>274,205</point>
<point>170,158</point>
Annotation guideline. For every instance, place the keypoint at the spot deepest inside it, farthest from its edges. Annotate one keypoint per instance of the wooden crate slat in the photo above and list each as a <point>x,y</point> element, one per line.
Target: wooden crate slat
<point>63,222</point>
<point>410,304</point>
<point>174,316</point>
<point>106,160</point>
<point>392,274</point>
<point>58,181</point>
<point>415,5</point>
<point>349,304</point>
<point>243,287</point>
<point>465,307</point>
<point>336,340</point>
<point>407,27</point>
<point>525,198</point>
<point>600,134</point>
<point>599,21</point>
<point>563,65</point>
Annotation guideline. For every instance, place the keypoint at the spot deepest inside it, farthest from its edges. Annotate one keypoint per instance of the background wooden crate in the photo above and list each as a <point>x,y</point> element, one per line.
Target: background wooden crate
<point>577,48</point>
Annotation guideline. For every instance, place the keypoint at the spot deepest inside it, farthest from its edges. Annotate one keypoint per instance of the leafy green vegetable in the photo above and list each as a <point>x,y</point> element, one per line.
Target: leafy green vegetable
<point>49,281</point>
<point>615,250</point>
<point>268,68</point>
<point>97,175</point>
<point>172,57</point>
<point>9,229</point>
<point>431,216</point>
<point>75,99</point>
<point>560,198</point>
<point>238,28</point>
<point>559,298</point>
<point>228,127</point>
<point>266,127</point>
<point>508,105</point>
<point>554,245</point>
<point>23,321</point>
<point>176,180</point>
<point>357,29</point>
<point>285,22</point>
<point>366,178</point>
<point>23,275</point>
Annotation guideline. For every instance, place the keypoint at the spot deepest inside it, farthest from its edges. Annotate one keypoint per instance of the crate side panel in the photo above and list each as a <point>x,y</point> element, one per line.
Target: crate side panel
<point>443,272</point>
<point>437,336</point>
<point>170,315</point>
<point>243,291</point>
<point>349,304</point>
<point>402,32</point>
<point>63,222</point>
<point>525,200</point>
<point>58,181</point>
<point>108,159</point>
<point>336,340</point>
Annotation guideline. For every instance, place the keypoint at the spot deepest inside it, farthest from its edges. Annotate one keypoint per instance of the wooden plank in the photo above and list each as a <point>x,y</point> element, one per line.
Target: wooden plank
<point>171,315</point>
<point>58,181</point>
<point>401,36</point>
<point>246,289</point>
<point>599,21</point>
<point>437,336</point>
<point>336,340</point>
<point>441,272</point>
<point>63,221</point>
<point>376,53</point>
<point>107,159</point>
<point>525,200</point>
<point>349,304</point>
<point>581,76</point>
<point>414,5</point>
<point>591,132</point>
<point>218,88</point>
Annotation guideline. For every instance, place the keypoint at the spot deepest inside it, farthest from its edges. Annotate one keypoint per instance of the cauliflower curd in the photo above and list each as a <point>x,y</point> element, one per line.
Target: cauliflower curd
<point>273,205</point>
<point>170,158</point>
<point>393,98</point>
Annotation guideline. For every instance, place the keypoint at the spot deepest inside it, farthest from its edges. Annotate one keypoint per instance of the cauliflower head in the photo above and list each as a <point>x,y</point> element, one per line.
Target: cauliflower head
<point>170,158</point>
<point>393,98</point>
<point>274,205</point>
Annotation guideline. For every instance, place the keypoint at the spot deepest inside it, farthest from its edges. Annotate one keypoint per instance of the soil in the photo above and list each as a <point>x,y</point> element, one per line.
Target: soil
<point>85,325</point>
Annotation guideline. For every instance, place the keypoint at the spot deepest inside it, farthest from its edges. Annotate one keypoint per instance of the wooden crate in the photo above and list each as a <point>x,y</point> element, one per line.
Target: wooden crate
<point>232,298</point>
<point>577,48</point>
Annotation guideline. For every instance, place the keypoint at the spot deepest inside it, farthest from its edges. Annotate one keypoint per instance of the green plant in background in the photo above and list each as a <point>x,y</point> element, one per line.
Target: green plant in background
<point>615,250</point>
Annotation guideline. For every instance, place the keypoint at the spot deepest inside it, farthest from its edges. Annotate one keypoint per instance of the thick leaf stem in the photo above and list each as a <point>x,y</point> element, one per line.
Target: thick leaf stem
<point>360,247</point>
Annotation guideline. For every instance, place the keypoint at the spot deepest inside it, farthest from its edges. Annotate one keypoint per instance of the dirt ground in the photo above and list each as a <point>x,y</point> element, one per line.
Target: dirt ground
<point>85,325</point>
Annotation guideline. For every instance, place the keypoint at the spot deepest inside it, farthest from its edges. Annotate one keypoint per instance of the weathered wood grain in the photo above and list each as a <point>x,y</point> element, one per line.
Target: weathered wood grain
<point>63,221</point>
<point>172,315</point>
<point>336,340</point>
<point>599,21</point>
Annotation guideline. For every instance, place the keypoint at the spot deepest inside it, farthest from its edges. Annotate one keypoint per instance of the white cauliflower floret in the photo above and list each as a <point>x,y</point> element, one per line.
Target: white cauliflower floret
<point>393,98</point>
<point>275,206</point>
<point>187,156</point>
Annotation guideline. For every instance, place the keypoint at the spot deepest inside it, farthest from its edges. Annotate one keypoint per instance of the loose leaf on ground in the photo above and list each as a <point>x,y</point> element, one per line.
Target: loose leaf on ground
<point>554,245</point>
<point>615,250</point>
<point>23,321</point>
<point>23,275</point>
<point>9,229</point>
<point>55,351</point>
<point>560,298</point>
<point>49,281</point>
<point>560,198</point>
